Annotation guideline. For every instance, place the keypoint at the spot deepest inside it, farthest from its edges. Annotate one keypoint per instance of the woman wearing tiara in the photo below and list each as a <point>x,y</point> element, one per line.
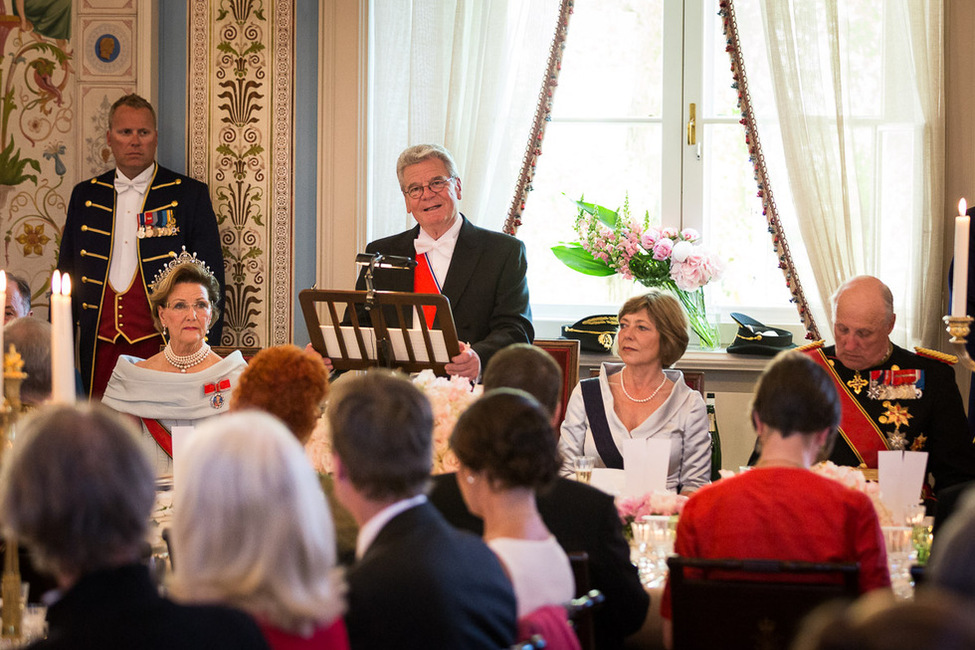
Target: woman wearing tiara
<point>187,381</point>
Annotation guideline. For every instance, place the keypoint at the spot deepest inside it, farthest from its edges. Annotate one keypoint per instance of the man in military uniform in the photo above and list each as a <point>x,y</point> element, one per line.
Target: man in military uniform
<point>122,227</point>
<point>892,398</point>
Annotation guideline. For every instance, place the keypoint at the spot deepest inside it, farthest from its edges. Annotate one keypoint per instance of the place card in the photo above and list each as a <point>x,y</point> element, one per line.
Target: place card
<point>645,464</point>
<point>901,476</point>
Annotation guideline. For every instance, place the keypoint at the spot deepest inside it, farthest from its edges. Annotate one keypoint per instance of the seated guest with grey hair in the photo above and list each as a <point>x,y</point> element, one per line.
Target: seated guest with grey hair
<point>78,489</point>
<point>264,541</point>
<point>18,299</point>
<point>31,337</point>
<point>582,518</point>
<point>418,582</point>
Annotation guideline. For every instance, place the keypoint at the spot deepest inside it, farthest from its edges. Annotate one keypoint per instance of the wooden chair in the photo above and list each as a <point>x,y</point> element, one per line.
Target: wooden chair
<point>566,354</point>
<point>534,643</point>
<point>581,615</point>
<point>732,603</point>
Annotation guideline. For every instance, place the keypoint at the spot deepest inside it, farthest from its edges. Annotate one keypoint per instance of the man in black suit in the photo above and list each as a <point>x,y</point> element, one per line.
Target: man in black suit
<point>482,272</point>
<point>121,229</point>
<point>418,582</point>
<point>582,518</point>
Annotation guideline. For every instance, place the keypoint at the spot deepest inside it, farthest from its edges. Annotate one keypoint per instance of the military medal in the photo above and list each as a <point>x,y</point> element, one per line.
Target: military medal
<point>857,383</point>
<point>217,399</point>
<point>896,384</point>
<point>160,223</point>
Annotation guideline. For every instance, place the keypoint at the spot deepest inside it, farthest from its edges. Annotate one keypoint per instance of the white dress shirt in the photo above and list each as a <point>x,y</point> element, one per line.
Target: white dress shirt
<point>370,529</point>
<point>128,204</point>
<point>439,251</point>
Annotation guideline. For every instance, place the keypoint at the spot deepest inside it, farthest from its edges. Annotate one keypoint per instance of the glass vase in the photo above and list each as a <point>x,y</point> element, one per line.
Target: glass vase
<point>693,303</point>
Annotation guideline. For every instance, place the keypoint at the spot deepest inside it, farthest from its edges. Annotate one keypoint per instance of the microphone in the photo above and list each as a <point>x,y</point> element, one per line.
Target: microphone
<point>380,261</point>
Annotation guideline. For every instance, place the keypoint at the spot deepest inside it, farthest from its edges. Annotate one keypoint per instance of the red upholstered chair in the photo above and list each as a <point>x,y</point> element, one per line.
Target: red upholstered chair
<point>566,354</point>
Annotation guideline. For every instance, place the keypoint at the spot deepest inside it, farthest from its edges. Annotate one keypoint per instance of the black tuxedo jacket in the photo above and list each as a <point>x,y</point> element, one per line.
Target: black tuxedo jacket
<point>422,584</point>
<point>582,518</point>
<point>89,236</point>
<point>485,284</point>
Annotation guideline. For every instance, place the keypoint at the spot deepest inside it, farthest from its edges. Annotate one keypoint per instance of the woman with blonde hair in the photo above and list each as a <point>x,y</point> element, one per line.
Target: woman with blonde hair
<point>263,540</point>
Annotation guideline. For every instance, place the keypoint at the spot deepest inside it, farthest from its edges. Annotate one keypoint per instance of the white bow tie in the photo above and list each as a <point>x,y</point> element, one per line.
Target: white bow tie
<point>426,245</point>
<point>123,184</point>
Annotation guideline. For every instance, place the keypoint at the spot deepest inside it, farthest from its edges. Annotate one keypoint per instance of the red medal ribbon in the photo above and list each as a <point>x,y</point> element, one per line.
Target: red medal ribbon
<point>224,384</point>
<point>856,426</point>
<point>425,282</point>
<point>896,377</point>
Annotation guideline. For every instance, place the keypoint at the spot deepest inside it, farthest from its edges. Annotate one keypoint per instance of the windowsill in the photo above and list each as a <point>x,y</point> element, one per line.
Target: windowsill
<point>694,359</point>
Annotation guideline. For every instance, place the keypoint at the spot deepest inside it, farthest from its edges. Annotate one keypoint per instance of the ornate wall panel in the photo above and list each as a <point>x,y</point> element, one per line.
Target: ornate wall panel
<point>241,112</point>
<point>38,113</point>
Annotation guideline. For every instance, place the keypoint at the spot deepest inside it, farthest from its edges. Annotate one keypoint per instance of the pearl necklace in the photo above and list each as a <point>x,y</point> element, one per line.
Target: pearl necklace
<point>188,361</point>
<point>646,399</point>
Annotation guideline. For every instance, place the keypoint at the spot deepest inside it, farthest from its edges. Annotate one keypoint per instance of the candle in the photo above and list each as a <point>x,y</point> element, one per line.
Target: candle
<point>959,295</point>
<point>62,341</point>
<point>3,301</point>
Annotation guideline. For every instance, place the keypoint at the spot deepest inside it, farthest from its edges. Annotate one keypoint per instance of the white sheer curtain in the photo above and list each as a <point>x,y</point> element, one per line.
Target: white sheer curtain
<point>461,73</point>
<point>861,120</point>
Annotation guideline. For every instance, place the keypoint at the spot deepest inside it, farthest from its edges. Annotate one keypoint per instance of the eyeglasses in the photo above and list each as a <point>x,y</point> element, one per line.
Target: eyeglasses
<point>436,186</point>
<point>182,307</point>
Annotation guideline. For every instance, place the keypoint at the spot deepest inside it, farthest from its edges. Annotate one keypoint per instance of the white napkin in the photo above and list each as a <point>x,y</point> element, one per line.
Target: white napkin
<point>901,476</point>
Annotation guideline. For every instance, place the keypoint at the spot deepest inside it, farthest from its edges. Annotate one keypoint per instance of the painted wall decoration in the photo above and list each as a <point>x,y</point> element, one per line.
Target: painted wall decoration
<point>37,119</point>
<point>241,110</point>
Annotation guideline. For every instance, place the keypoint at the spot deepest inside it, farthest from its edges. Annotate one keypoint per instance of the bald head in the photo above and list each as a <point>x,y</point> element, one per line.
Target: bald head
<point>863,318</point>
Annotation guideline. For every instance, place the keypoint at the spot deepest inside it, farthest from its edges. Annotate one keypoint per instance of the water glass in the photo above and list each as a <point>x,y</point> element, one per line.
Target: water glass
<point>583,466</point>
<point>900,555</point>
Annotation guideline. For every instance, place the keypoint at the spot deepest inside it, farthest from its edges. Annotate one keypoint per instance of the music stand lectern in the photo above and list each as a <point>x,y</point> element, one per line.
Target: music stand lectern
<point>354,346</point>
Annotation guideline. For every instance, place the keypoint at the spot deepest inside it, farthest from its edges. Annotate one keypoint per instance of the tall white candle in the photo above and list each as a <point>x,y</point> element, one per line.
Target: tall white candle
<point>959,294</point>
<point>62,341</point>
<point>3,301</point>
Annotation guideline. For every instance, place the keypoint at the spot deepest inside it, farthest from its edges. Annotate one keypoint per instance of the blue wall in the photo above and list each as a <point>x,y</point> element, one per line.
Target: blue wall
<point>172,127</point>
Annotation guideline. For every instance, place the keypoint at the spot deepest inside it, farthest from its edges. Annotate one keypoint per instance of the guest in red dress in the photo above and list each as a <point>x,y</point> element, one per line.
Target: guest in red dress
<point>780,510</point>
<point>252,530</point>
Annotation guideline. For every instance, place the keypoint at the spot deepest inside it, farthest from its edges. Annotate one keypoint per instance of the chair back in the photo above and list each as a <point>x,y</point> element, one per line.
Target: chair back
<point>734,603</point>
<point>566,354</point>
<point>581,617</point>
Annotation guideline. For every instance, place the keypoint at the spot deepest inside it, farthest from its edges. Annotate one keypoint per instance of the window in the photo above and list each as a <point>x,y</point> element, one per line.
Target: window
<point>630,70</point>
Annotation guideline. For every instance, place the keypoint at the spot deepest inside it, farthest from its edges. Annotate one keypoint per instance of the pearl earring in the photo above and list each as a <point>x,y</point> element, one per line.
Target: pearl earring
<point>470,479</point>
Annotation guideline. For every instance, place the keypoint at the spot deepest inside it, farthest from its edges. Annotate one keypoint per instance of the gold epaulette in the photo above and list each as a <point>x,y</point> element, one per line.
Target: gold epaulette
<point>943,357</point>
<point>811,346</point>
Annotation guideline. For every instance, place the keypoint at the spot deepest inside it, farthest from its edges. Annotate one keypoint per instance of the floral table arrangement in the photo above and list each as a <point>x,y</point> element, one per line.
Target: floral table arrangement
<point>612,242</point>
<point>634,509</point>
<point>449,397</point>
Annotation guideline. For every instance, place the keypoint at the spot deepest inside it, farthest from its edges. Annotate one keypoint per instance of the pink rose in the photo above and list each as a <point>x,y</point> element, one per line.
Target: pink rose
<point>689,234</point>
<point>662,249</point>
<point>669,233</point>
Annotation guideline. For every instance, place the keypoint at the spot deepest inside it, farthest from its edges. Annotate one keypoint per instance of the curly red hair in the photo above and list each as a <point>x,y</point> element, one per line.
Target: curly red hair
<point>286,382</point>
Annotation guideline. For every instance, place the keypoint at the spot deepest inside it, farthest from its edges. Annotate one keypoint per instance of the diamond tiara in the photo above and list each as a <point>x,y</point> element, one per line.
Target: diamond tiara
<point>182,258</point>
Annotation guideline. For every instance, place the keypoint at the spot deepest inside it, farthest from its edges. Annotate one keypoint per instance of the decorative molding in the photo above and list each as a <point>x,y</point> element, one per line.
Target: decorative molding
<point>342,128</point>
<point>241,113</point>
<point>769,209</point>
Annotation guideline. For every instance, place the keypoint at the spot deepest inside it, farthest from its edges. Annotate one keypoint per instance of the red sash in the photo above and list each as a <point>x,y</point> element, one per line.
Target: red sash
<point>158,432</point>
<point>425,282</point>
<point>856,426</point>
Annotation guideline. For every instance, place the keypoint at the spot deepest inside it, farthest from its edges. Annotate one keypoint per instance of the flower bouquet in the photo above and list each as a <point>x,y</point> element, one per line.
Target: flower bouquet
<point>613,242</point>
<point>631,509</point>
<point>853,478</point>
<point>449,398</point>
